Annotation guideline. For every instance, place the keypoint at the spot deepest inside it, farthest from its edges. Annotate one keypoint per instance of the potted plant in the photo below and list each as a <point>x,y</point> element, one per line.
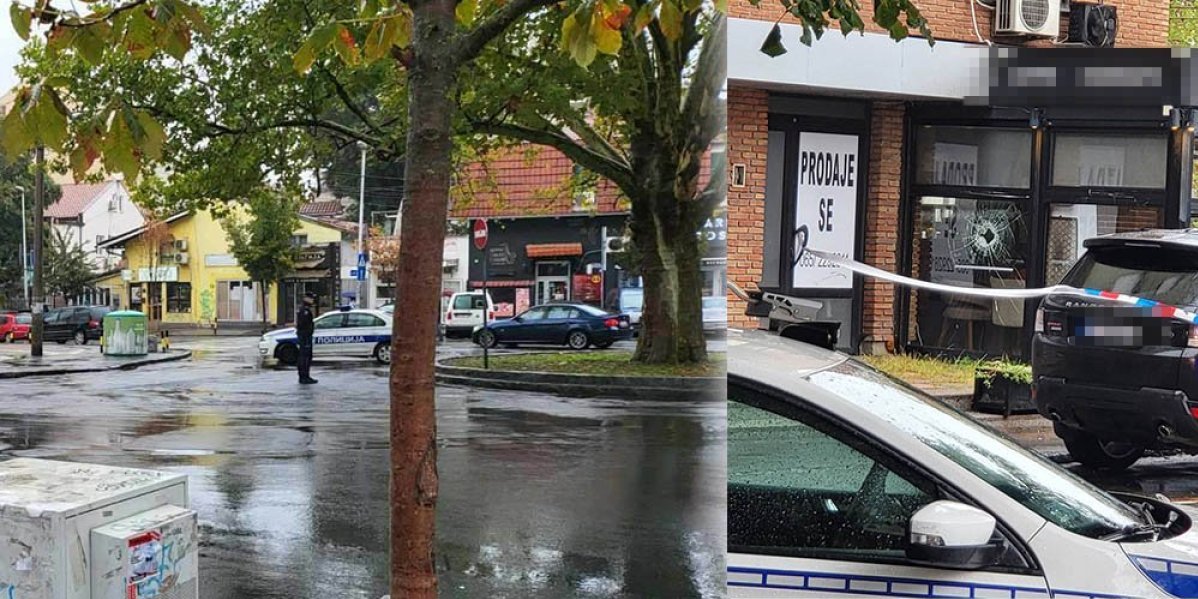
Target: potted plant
<point>1003,387</point>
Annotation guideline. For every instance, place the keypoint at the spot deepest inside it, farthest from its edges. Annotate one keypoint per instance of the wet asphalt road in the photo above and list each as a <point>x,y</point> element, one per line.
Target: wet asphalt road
<point>541,496</point>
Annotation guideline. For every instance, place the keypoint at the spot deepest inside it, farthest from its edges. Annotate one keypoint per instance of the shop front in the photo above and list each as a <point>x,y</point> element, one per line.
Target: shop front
<point>536,260</point>
<point>317,271</point>
<point>992,192</point>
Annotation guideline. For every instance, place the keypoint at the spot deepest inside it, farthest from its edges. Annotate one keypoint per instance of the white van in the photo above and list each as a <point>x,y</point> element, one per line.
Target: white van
<point>465,312</point>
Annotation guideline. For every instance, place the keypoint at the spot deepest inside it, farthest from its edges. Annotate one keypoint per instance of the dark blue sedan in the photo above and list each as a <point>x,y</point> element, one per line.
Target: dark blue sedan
<point>576,326</point>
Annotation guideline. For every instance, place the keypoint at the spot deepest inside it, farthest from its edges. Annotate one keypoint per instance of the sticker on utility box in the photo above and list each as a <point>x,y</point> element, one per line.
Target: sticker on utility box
<point>145,557</point>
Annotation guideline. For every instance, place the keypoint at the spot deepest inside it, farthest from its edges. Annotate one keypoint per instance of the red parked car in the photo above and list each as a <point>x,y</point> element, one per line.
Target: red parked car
<point>14,326</point>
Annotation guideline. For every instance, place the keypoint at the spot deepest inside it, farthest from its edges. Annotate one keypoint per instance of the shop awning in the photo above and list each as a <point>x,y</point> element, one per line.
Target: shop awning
<point>552,250</point>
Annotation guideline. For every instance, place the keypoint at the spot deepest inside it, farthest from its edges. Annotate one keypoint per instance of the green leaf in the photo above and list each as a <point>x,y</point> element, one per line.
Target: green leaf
<point>465,11</point>
<point>48,120</point>
<point>90,45</point>
<point>119,154</point>
<point>670,20</point>
<point>15,136</point>
<point>721,6</point>
<point>319,39</point>
<point>644,16</point>
<point>22,20</point>
<point>403,29</point>
<point>577,42</point>
<point>139,36</point>
<point>153,135</point>
<point>380,39</point>
<point>773,46</point>
<point>805,39</point>
<point>346,46</point>
<point>193,16</point>
<point>370,8</point>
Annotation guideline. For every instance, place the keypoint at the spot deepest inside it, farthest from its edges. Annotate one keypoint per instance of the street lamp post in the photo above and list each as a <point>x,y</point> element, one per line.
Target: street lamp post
<point>362,283</point>
<point>24,249</point>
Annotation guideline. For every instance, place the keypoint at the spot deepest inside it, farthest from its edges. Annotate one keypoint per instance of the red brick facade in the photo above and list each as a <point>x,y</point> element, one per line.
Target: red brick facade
<point>1142,23</point>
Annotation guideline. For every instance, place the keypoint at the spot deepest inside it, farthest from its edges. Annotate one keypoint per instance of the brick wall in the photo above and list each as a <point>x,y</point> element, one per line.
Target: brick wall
<point>882,223</point>
<point>748,141</point>
<point>1142,23</point>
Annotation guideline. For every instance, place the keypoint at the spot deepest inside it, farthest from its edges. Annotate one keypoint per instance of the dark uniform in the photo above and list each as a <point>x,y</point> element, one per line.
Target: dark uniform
<point>304,328</point>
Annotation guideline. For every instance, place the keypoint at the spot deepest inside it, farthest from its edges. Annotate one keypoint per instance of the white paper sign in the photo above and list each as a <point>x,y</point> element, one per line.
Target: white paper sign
<point>1101,166</point>
<point>829,172</point>
<point>955,164</point>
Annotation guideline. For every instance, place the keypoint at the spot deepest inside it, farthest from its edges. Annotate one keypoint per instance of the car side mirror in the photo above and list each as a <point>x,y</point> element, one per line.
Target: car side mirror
<point>947,534</point>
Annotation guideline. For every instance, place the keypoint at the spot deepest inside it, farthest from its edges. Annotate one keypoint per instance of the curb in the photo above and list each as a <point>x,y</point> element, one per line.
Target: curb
<point>131,365</point>
<point>664,388</point>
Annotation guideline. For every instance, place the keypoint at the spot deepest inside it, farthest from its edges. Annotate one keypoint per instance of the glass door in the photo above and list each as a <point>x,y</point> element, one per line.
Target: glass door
<point>553,281</point>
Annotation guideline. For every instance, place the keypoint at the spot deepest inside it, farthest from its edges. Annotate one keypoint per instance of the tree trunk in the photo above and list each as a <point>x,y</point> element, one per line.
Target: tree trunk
<point>265,306</point>
<point>431,78</point>
<point>664,228</point>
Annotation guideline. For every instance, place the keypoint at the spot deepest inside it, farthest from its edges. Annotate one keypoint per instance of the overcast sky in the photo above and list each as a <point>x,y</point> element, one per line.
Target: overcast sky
<point>10,54</point>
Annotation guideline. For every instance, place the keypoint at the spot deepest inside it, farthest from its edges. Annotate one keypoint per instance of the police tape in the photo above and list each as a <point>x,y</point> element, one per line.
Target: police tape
<point>1154,307</point>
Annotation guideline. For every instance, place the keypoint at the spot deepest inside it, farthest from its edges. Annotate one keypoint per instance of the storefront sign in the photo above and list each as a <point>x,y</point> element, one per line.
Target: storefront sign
<point>827,206</point>
<point>1101,166</point>
<point>219,260</point>
<point>588,288</point>
<point>500,254</point>
<point>955,164</point>
<point>167,274</point>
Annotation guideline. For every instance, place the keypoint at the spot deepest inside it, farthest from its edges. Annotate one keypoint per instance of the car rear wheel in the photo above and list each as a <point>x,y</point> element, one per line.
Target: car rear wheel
<point>287,354</point>
<point>1096,453</point>
<point>577,340</point>
<point>382,353</point>
<point>8,338</point>
<point>80,337</point>
<point>487,339</point>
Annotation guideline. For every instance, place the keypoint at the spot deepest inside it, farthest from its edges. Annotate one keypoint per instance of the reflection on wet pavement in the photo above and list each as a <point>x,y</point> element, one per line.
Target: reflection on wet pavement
<point>541,496</point>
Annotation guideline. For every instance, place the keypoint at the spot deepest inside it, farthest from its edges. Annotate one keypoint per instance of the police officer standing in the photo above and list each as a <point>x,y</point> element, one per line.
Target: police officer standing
<point>304,328</point>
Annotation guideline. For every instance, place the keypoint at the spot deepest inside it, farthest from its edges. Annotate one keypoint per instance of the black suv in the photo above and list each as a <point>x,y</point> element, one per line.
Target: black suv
<point>74,323</point>
<point>1117,379</point>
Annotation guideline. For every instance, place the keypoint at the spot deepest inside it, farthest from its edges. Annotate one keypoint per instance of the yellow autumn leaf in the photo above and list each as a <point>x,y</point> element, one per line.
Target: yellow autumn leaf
<point>671,20</point>
<point>607,40</point>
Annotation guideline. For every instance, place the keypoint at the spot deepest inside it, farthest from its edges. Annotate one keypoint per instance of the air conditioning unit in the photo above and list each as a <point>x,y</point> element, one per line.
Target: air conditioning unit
<point>1092,24</point>
<point>181,245</point>
<point>112,205</point>
<point>1040,18</point>
<point>181,258</point>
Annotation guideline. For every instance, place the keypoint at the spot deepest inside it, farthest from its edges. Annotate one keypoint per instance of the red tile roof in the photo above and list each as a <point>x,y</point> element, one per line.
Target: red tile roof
<point>525,180</point>
<point>75,199</point>
<point>322,208</point>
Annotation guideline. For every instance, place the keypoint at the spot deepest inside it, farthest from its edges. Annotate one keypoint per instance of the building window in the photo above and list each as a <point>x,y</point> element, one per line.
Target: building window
<point>974,243</point>
<point>178,297</point>
<point>299,240</point>
<point>1070,225</point>
<point>973,156</point>
<point>1109,160</point>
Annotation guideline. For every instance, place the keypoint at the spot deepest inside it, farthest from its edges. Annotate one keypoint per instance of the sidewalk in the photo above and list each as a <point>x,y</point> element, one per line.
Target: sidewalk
<point>15,361</point>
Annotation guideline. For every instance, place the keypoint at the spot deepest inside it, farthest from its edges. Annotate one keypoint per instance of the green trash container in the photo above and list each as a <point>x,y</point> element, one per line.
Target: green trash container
<point>125,333</point>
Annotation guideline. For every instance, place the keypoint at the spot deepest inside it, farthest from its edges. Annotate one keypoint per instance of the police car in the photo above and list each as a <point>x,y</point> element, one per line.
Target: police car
<point>843,482</point>
<point>365,333</point>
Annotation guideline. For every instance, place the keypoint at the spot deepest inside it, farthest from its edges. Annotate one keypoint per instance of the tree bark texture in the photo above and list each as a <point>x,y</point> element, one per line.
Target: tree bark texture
<point>431,79</point>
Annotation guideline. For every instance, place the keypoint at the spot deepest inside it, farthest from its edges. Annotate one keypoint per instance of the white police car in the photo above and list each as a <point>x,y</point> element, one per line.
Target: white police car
<point>365,333</point>
<point>845,483</point>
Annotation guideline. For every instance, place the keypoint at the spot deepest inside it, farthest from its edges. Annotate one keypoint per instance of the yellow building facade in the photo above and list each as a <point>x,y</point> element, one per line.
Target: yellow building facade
<point>185,274</point>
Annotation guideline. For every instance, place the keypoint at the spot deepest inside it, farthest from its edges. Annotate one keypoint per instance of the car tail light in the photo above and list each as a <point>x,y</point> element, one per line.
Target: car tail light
<point>449,316</point>
<point>1192,340</point>
<point>612,323</point>
<point>93,324</point>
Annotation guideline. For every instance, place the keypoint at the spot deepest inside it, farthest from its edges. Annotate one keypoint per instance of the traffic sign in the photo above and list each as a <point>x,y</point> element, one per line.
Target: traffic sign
<point>361,260</point>
<point>480,233</point>
<point>360,273</point>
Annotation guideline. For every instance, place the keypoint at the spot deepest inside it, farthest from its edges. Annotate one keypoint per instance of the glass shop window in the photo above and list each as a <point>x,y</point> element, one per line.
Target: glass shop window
<point>1109,160</point>
<point>973,156</point>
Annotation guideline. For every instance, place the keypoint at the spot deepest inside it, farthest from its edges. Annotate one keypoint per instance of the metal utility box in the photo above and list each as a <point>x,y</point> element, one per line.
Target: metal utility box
<point>84,531</point>
<point>124,333</point>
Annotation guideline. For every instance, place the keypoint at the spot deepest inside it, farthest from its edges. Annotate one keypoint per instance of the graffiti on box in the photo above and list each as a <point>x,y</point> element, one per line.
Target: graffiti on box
<point>152,565</point>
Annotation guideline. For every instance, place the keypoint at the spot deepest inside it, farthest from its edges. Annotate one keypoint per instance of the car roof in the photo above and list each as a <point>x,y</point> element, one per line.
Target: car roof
<point>774,360</point>
<point>358,311</point>
<point>1182,238</point>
